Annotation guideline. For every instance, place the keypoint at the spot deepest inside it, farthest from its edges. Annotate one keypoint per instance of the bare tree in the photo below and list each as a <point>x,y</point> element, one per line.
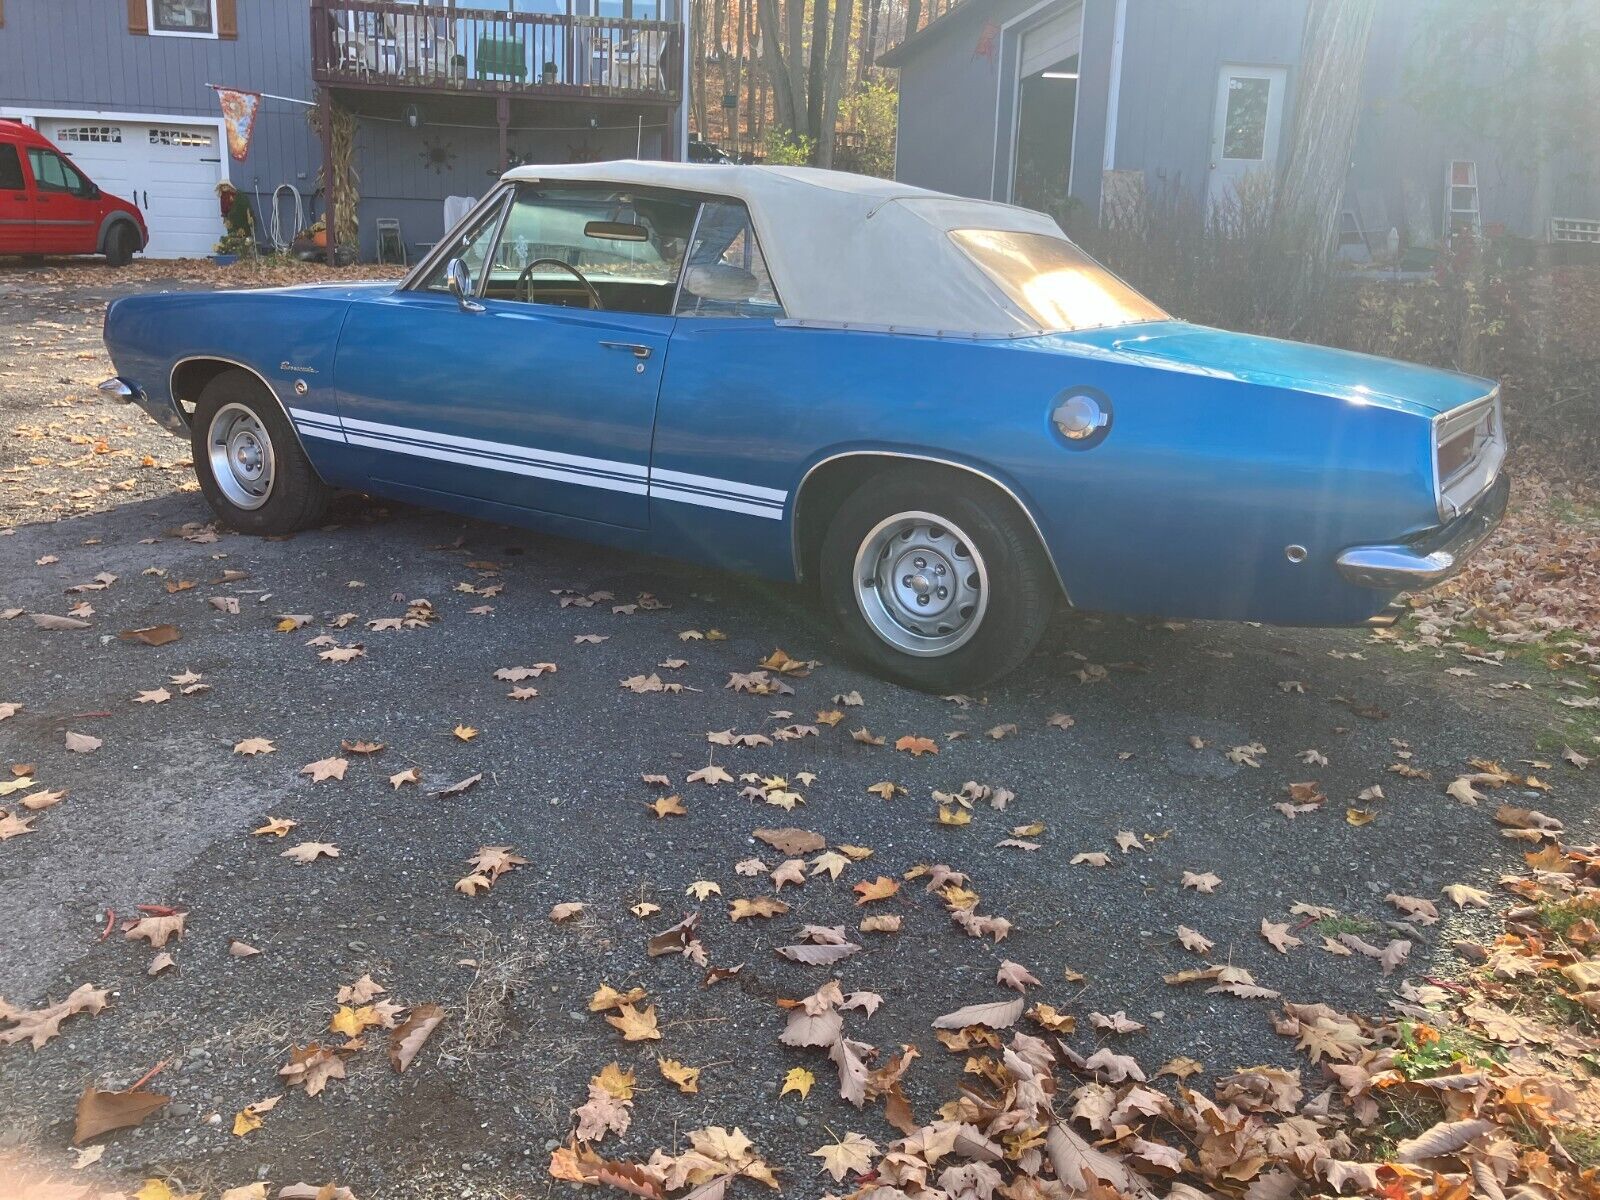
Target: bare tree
<point>838,62</point>
<point>818,69</point>
<point>1333,51</point>
<point>788,94</point>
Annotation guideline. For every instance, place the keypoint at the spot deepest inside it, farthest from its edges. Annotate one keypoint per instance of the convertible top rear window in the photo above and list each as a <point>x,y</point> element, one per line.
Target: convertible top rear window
<point>1053,281</point>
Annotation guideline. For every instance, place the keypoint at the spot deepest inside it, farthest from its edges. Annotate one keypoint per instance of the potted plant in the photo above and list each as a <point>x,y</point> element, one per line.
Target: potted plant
<point>317,231</point>
<point>550,70</point>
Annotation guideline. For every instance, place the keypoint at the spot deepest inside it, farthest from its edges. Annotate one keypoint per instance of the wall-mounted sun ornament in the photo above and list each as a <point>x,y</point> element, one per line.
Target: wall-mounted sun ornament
<point>438,156</point>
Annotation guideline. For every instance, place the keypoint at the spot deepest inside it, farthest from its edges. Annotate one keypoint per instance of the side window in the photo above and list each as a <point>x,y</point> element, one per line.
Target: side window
<point>10,169</point>
<point>471,246</point>
<point>727,275</point>
<point>571,245</point>
<point>54,174</point>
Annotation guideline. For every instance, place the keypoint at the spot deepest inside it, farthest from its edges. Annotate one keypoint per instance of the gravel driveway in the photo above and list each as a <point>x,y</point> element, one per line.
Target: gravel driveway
<point>1115,727</point>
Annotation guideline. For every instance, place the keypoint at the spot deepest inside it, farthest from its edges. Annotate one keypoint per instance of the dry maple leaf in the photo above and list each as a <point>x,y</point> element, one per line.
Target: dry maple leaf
<point>275,827</point>
<point>37,1026</point>
<point>407,1038</point>
<point>1206,883</point>
<point>916,746</point>
<point>762,906</point>
<point>881,923</point>
<point>312,1068</point>
<point>101,1112</point>
<point>1278,936</point>
<point>254,746</point>
<point>685,1078</point>
<point>791,841</point>
<point>853,1153</point>
<point>668,806</point>
<point>710,775</point>
<point>634,1025</point>
<point>1091,858</point>
<point>1191,940</point>
<point>880,888</point>
<point>326,768</point>
<point>1463,896</point>
<point>82,743</point>
<point>400,778</point>
<point>156,929</point>
<point>307,852</point>
<point>153,696</point>
<point>1016,976</point>
<point>1419,910</point>
<point>12,825</point>
<point>566,911</point>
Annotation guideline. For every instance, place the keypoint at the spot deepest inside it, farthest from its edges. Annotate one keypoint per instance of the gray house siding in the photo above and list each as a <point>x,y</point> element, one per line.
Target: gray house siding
<point>963,100</point>
<point>78,55</point>
<point>1173,53</point>
<point>956,128</point>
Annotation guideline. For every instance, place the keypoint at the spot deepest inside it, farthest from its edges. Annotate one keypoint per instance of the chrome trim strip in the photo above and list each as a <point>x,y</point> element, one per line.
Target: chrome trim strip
<point>1404,567</point>
<point>688,253</point>
<point>794,524</point>
<point>116,387</point>
<point>907,330</point>
<point>172,391</point>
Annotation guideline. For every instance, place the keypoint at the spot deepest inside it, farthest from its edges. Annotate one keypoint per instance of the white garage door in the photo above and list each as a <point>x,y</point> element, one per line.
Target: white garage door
<point>169,170</point>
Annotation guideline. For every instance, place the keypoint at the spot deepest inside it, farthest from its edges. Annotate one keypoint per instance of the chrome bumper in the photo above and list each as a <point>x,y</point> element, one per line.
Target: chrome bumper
<point>1410,567</point>
<point>117,388</point>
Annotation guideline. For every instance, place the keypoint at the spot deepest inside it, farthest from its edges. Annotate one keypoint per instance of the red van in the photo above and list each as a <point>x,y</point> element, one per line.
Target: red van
<point>48,206</point>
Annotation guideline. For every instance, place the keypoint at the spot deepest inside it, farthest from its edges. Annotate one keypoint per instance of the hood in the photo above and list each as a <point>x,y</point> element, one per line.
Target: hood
<point>1320,370</point>
<point>336,290</point>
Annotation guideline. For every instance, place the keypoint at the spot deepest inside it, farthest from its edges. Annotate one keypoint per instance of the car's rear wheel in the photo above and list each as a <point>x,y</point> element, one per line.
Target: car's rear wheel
<point>251,468</point>
<point>936,582</point>
<point>121,244</point>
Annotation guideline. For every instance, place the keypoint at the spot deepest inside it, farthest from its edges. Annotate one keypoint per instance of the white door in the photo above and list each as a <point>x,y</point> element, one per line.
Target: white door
<point>169,170</point>
<point>1246,129</point>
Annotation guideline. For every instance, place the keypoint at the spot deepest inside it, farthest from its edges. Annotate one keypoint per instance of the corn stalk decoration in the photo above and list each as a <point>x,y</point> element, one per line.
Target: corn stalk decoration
<point>346,180</point>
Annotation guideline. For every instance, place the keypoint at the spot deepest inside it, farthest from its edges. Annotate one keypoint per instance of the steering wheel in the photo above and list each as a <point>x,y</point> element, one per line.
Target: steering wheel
<point>525,281</point>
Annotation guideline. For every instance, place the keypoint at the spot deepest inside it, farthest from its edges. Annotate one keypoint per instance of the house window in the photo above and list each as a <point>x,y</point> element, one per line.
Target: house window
<point>89,133</point>
<point>185,18</point>
<point>178,137</point>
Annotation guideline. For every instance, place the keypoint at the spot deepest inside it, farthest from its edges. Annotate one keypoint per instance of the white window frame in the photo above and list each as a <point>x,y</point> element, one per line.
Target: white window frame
<point>150,9</point>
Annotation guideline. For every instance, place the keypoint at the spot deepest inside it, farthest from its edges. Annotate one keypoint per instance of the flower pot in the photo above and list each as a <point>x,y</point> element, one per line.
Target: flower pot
<point>320,239</point>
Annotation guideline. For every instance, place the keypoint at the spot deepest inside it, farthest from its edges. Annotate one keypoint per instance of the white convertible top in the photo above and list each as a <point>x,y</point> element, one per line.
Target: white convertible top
<point>848,248</point>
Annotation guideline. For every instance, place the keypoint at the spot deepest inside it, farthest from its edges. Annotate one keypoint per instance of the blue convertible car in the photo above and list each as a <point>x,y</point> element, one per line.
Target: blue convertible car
<point>939,410</point>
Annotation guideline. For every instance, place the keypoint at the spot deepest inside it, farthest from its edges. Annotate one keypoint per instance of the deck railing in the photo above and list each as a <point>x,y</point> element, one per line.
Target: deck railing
<point>388,45</point>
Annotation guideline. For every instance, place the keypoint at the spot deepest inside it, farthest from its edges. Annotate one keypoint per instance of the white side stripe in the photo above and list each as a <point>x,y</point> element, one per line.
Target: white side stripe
<point>631,478</point>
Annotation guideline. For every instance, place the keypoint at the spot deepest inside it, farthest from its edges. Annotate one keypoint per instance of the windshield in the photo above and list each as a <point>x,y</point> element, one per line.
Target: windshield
<point>1054,282</point>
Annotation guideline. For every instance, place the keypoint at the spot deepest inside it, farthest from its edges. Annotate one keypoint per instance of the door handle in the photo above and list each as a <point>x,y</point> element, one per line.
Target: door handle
<point>638,351</point>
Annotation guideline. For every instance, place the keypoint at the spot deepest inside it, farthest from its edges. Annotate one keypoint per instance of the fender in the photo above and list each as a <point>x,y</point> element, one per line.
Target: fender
<point>172,390</point>
<point>920,456</point>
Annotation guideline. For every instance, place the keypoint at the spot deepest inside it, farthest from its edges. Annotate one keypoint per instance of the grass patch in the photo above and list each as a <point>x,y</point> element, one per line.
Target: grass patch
<point>1561,917</point>
<point>1339,923</point>
<point>1583,1143</point>
<point>1574,512</point>
<point>1426,1051</point>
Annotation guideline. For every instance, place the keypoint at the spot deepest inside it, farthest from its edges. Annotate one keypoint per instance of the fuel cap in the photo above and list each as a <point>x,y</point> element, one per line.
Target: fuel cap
<point>1079,417</point>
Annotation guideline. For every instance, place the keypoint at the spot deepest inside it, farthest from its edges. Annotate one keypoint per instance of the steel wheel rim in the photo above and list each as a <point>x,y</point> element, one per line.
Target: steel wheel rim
<point>921,584</point>
<point>240,452</point>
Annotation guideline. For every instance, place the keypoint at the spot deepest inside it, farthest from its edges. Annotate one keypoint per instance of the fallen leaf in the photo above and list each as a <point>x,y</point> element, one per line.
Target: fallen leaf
<point>798,1080</point>
<point>100,1112</point>
<point>406,1040</point>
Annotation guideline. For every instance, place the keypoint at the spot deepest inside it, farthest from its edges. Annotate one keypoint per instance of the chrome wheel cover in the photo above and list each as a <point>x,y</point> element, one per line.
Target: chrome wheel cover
<point>921,584</point>
<point>239,450</point>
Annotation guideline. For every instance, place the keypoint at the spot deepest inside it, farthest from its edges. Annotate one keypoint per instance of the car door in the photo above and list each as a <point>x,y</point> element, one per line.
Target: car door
<point>16,204</point>
<point>66,205</point>
<point>527,395</point>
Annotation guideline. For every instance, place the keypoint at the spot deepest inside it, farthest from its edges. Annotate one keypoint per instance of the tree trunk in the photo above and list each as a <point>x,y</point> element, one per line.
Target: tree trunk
<point>1333,51</point>
<point>795,52</point>
<point>777,69</point>
<point>719,22</point>
<point>817,70</point>
<point>697,39</point>
<point>913,17</point>
<point>838,61</point>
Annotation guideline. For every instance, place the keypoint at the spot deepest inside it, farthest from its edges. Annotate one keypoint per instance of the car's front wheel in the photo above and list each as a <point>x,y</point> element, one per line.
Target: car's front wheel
<point>937,582</point>
<point>251,468</point>
<point>121,244</point>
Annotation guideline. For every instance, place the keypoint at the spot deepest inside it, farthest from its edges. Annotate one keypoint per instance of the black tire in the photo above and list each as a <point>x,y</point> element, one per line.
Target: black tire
<point>297,497</point>
<point>1022,590</point>
<point>121,244</point>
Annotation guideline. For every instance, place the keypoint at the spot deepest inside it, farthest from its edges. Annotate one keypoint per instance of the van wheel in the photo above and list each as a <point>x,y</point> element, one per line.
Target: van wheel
<point>936,583</point>
<point>121,243</point>
<point>250,465</point>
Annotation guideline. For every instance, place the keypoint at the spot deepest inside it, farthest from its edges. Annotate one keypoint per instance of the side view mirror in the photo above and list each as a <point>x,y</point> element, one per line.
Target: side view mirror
<point>459,280</point>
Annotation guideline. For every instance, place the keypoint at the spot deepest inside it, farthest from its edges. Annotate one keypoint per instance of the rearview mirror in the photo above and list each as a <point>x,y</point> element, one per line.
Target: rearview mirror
<point>459,280</point>
<point>616,231</point>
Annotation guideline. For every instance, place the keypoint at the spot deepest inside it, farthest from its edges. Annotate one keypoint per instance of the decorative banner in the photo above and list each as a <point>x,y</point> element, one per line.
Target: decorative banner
<point>986,39</point>
<point>239,114</point>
